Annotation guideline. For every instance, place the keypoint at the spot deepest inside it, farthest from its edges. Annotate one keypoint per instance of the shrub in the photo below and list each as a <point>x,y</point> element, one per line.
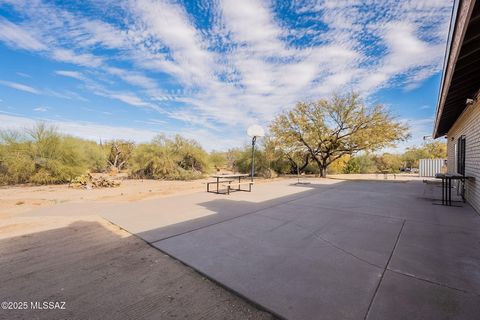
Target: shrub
<point>389,163</point>
<point>172,159</point>
<point>41,155</point>
<point>244,162</point>
<point>360,164</point>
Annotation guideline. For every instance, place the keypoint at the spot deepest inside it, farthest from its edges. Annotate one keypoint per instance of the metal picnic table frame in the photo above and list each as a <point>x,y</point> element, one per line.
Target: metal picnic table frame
<point>230,180</point>
<point>447,186</point>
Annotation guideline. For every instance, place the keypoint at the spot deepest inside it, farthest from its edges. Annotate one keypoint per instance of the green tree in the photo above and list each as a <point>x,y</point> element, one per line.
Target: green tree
<point>432,150</point>
<point>343,125</point>
<point>389,163</point>
<point>360,164</point>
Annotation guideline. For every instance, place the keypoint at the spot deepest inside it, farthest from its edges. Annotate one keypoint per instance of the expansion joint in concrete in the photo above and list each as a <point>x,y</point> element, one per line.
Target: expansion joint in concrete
<point>384,270</point>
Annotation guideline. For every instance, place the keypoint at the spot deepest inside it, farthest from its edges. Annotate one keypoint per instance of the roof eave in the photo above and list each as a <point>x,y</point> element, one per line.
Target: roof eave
<point>461,13</point>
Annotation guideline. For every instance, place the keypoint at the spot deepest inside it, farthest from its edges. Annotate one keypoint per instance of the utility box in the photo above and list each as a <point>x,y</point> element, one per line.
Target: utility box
<point>430,167</point>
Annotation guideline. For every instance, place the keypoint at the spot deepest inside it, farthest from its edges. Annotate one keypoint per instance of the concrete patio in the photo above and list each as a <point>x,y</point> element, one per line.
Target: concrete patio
<point>328,250</point>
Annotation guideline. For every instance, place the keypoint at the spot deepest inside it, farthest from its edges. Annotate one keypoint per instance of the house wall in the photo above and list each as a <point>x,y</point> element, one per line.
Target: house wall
<point>468,124</point>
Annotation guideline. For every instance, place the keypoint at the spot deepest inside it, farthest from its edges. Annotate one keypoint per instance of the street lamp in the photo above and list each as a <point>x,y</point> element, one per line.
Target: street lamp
<point>254,131</point>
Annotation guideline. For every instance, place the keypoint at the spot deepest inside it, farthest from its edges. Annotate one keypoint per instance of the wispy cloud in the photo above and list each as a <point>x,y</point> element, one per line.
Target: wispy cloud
<point>16,36</point>
<point>85,59</point>
<point>40,109</point>
<point>102,132</point>
<point>24,75</point>
<point>231,63</point>
<point>19,86</point>
<point>71,74</point>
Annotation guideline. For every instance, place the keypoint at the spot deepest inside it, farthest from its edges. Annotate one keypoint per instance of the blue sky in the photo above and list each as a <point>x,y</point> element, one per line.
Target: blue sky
<point>131,69</point>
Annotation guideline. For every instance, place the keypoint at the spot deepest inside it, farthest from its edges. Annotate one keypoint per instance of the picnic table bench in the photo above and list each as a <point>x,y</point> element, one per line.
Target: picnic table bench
<point>228,181</point>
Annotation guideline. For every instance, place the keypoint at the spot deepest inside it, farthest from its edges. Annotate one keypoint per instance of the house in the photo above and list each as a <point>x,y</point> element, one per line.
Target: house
<point>458,109</point>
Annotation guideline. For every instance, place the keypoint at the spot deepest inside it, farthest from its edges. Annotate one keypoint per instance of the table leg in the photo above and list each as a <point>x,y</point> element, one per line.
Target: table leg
<point>443,191</point>
<point>449,200</point>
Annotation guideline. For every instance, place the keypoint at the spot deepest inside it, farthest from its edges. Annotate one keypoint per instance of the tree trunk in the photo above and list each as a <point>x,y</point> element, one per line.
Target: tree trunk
<point>323,171</point>
<point>305,164</point>
<point>322,167</point>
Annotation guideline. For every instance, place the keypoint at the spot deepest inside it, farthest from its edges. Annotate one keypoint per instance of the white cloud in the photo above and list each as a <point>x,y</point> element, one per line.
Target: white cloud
<point>67,94</point>
<point>134,78</point>
<point>71,74</point>
<point>81,129</point>
<point>40,109</point>
<point>25,75</point>
<point>85,59</point>
<point>17,37</point>
<point>19,86</point>
<point>247,63</point>
<point>100,132</point>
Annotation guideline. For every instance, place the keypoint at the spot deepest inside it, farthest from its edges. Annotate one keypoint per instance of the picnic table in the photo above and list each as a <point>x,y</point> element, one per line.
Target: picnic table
<point>228,181</point>
<point>447,186</point>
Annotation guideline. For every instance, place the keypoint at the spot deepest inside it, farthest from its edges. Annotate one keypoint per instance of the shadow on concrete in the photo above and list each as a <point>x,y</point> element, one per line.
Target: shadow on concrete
<point>230,207</point>
<point>105,274</point>
<point>324,252</point>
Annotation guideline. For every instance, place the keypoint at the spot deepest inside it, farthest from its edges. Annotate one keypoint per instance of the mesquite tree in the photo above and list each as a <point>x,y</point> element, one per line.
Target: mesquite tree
<point>342,125</point>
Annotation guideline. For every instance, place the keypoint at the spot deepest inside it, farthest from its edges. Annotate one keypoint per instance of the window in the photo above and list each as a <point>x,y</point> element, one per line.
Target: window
<point>461,155</point>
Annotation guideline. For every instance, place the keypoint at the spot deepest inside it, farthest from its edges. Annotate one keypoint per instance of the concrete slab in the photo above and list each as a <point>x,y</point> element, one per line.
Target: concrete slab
<point>403,200</point>
<point>402,297</point>
<point>446,255</point>
<point>321,255</point>
<point>368,237</point>
<point>319,251</point>
<point>300,269</point>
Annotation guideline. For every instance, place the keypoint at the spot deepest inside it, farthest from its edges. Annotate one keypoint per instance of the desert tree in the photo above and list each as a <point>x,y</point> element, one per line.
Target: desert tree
<point>294,152</point>
<point>119,153</point>
<point>342,125</point>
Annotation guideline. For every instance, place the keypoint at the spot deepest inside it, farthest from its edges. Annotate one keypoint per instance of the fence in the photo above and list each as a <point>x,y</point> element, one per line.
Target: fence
<point>429,167</point>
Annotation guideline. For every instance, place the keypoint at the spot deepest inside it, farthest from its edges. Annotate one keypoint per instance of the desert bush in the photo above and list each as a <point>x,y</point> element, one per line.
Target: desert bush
<point>218,160</point>
<point>244,162</point>
<point>16,166</point>
<point>93,154</point>
<point>42,155</point>
<point>172,159</point>
<point>389,163</point>
<point>118,153</point>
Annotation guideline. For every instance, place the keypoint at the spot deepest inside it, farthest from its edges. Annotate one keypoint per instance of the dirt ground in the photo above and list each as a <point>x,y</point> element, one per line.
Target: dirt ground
<point>18,199</point>
<point>102,272</point>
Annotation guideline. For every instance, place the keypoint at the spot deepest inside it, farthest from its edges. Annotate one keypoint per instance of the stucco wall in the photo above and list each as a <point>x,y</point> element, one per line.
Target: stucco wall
<point>468,124</point>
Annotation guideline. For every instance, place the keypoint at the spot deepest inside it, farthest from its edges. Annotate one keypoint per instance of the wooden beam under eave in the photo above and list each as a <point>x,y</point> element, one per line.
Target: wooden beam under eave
<point>462,19</point>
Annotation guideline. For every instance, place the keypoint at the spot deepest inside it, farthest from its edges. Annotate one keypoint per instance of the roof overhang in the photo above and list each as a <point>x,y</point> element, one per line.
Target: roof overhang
<point>461,72</point>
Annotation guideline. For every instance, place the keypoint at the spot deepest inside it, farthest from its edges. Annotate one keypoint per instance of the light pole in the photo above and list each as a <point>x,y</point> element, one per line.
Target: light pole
<point>254,131</point>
